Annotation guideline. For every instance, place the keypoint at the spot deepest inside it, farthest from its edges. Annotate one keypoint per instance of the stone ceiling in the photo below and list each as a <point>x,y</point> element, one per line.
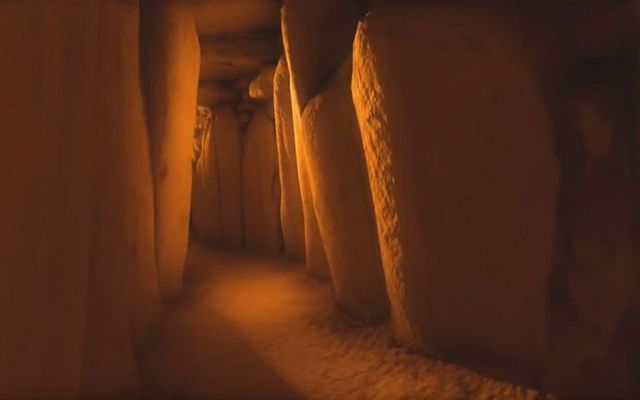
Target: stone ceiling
<point>237,38</point>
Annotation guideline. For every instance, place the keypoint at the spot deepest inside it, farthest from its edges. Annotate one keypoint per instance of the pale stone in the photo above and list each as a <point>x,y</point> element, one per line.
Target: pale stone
<point>315,256</point>
<point>228,153</point>
<point>261,87</point>
<point>342,198</point>
<point>291,216</point>
<point>261,189</point>
<point>314,53</point>
<point>171,67</point>
<point>461,160</point>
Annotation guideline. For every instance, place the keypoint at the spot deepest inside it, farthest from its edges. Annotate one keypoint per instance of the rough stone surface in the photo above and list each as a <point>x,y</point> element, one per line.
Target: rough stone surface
<point>261,88</point>
<point>77,272</point>
<point>313,54</point>
<point>228,154</point>
<point>315,256</point>
<point>343,203</point>
<point>205,199</point>
<point>171,69</point>
<point>460,155</point>
<point>261,189</point>
<point>291,216</point>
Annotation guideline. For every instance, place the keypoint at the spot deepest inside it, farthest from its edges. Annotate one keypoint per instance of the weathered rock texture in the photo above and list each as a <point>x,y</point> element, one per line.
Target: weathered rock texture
<point>313,54</point>
<point>261,189</point>
<point>342,198</point>
<point>77,272</point>
<point>507,197</point>
<point>171,68</point>
<point>228,154</point>
<point>291,217</point>
<point>315,256</point>
<point>460,155</point>
<point>206,220</point>
<point>261,88</point>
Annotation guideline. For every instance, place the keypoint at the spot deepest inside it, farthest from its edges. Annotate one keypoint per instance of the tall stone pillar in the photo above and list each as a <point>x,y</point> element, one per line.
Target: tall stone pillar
<point>291,215</point>
<point>461,158</point>
<point>78,283</point>
<point>320,67</point>
<point>229,153</point>
<point>261,185</point>
<point>171,68</point>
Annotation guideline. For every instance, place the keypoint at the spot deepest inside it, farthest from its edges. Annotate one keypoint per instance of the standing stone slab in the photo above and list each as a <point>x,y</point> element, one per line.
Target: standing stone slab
<point>171,70</point>
<point>78,281</point>
<point>205,199</point>
<point>461,161</point>
<point>314,53</point>
<point>228,154</point>
<point>315,256</point>
<point>261,87</point>
<point>340,187</point>
<point>261,188</point>
<point>291,215</point>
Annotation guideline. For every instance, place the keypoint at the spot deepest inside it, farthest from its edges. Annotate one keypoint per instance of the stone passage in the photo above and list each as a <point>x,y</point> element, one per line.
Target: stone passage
<point>457,180</point>
<point>281,329</point>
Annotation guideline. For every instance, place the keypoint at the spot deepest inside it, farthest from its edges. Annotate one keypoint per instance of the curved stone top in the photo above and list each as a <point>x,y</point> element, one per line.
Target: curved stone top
<point>261,88</point>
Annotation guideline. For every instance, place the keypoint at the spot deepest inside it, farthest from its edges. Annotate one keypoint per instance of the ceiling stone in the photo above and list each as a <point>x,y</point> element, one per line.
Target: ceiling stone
<point>215,17</point>
<point>232,56</point>
<point>237,38</point>
<point>212,93</point>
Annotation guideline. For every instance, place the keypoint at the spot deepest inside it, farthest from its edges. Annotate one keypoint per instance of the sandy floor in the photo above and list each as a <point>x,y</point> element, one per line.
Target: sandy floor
<point>258,329</point>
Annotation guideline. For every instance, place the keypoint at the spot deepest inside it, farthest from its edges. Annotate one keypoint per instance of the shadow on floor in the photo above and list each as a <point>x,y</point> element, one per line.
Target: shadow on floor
<point>198,354</point>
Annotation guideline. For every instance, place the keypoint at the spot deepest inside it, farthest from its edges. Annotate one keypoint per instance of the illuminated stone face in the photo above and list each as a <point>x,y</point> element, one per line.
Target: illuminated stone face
<point>228,150</point>
<point>464,177</point>
<point>469,169</point>
<point>171,71</point>
<point>261,187</point>
<point>291,214</point>
<point>342,198</point>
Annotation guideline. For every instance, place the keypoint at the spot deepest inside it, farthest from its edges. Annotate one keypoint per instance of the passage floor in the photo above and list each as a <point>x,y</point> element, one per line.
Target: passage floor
<point>252,328</point>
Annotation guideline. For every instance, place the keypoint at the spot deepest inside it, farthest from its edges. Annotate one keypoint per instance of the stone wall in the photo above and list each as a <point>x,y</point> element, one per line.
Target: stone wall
<point>501,159</point>
<point>78,283</point>
<point>332,152</point>
<point>171,70</point>
<point>291,213</point>
<point>261,186</point>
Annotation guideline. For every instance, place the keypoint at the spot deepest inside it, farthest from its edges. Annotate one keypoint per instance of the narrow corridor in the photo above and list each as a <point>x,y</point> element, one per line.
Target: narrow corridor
<point>455,188</point>
<point>263,329</point>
